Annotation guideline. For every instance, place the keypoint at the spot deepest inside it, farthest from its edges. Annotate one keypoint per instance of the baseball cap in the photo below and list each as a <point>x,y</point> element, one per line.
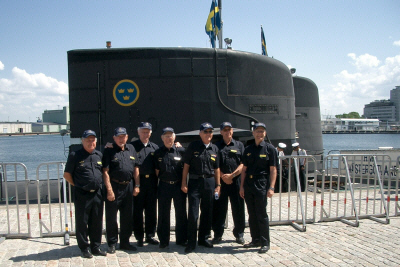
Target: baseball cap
<point>145,125</point>
<point>167,129</point>
<point>260,124</point>
<point>88,133</point>
<point>205,126</point>
<point>225,124</point>
<point>119,131</point>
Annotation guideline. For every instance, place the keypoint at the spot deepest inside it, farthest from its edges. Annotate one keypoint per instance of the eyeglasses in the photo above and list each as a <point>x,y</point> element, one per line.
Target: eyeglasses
<point>208,132</point>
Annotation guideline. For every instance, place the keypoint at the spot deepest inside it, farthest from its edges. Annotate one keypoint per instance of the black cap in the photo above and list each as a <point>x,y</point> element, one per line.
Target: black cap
<point>88,133</point>
<point>225,124</point>
<point>145,125</point>
<point>119,131</point>
<point>205,126</point>
<point>167,129</point>
<point>260,124</point>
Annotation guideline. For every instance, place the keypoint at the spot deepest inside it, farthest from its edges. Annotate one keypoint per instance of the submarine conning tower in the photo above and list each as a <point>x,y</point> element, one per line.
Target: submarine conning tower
<point>180,88</point>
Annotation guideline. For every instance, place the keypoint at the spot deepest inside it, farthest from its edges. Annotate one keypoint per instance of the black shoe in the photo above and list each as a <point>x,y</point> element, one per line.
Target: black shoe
<point>240,240</point>
<point>206,244</point>
<point>152,241</point>
<point>127,247</point>
<point>183,244</point>
<point>217,240</point>
<point>252,244</point>
<point>189,249</point>
<point>87,254</point>
<point>163,245</point>
<point>263,249</point>
<point>140,243</point>
<point>98,252</point>
<point>111,249</point>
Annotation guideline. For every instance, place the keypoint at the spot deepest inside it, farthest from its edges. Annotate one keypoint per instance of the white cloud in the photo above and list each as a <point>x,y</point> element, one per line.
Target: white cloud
<point>1,66</point>
<point>371,80</point>
<point>26,96</point>
<point>396,43</point>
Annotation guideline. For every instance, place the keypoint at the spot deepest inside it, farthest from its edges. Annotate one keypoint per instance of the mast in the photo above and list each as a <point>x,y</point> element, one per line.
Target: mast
<point>220,31</point>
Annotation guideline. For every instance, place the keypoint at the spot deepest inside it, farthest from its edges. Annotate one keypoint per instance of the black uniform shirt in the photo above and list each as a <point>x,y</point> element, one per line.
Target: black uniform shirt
<point>259,158</point>
<point>169,163</point>
<point>202,160</point>
<point>121,163</point>
<point>230,155</point>
<point>85,169</point>
<point>145,156</point>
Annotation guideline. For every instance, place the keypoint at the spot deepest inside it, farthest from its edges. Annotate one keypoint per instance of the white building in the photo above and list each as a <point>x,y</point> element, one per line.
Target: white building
<point>350,124</point>
<point>15,127</point>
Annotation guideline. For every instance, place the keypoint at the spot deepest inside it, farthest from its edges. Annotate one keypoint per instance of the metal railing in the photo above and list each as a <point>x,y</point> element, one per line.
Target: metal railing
<point>9,181</point>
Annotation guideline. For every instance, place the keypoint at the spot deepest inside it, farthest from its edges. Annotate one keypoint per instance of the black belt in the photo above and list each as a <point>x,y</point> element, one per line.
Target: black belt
<point>196,176</point>
<point>119,182</point>
<point>170,182</point>
<point>251,176</point>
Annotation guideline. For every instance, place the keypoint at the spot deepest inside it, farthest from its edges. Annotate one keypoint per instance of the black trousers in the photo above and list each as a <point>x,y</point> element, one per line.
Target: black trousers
<point>122,203</point>
<point>200,194</point>
<point>220,209</point>
<point>145,201</point>
<point>255,196</point>
<point>166,193</point>
<point>88,218</point>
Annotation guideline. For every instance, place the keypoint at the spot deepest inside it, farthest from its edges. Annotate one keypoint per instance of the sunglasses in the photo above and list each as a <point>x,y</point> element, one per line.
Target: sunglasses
<point>207,132</point>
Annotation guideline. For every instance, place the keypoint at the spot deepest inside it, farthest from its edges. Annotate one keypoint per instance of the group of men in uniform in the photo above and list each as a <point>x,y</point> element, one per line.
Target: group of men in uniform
<point>131,177</point>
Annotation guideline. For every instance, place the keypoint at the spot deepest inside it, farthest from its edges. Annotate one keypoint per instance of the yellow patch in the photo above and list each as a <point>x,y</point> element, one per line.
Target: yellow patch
<point>234,151</point>
<point>132,158</point>
<point>81,162</point>
<point>263,156</point>
<point>248,154</point>
<point>99,162</point>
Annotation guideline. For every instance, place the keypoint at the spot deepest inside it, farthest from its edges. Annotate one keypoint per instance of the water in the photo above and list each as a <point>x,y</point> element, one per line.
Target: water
<point>359,141</point>
<point>32,150</point>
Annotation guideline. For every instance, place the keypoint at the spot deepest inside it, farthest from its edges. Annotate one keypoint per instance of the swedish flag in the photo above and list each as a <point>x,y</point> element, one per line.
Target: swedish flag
<point>213,24</point>
<point>263,45</point>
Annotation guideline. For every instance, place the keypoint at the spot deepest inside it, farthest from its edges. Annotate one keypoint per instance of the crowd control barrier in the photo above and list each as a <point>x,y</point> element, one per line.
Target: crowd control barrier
<point>295,207</point>
<point>14,192</point>
<point>51,183</point>
<point>354,188</point>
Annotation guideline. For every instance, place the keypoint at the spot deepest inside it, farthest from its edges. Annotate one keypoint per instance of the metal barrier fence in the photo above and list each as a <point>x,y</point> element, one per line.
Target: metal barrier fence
<point>12,191</point>
<point>349,188</point>
<point>48,184</point>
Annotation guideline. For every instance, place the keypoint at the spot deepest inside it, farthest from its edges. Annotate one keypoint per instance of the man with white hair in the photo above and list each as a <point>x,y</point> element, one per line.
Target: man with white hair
<point>84,171</point>
<point>147,198</point>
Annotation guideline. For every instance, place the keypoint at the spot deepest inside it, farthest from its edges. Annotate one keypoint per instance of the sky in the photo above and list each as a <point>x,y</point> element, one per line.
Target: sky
<point>350,49</point>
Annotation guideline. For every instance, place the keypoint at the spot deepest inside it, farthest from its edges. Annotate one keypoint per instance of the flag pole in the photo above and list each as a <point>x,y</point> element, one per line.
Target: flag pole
<point>261,40</point>
<point>220,30</point>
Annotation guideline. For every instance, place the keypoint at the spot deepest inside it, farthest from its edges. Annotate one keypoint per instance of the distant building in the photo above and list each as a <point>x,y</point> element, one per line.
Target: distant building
<point>56,116</point>
<point>350,124</point>
<point>395,98</point>
<point>15,127</point>
<point>384,110</point>
<point>47,127</point>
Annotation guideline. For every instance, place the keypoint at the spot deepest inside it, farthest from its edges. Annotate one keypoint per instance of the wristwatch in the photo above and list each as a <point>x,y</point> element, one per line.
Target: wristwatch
<point>137,185</point>
<point>271,188</point>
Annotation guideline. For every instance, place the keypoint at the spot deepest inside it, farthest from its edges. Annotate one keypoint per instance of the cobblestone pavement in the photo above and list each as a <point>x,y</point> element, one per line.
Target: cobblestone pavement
<point>323,244</point>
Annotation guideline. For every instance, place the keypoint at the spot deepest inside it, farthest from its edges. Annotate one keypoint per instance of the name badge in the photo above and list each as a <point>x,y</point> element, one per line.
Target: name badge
<point>233,151</point>
<point>177,158</point>
<point>99,162</point>
<point>132,158</point>
<point>263,156</point>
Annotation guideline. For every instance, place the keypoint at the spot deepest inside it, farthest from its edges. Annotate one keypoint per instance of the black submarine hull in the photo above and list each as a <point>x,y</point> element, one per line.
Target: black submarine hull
<point>180,88</point>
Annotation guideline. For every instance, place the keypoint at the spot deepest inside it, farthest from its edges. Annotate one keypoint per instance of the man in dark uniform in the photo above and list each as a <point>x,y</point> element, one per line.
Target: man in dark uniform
<point>202,164</point>
<point>231,152</point>
<point>147,198</point>
<point>83,171</point>
<point>168,164</point>
<point>119,169</point>
<point>260,161</point>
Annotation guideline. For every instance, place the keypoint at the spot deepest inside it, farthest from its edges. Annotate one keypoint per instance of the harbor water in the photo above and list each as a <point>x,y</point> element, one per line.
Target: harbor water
<point>36,149</point>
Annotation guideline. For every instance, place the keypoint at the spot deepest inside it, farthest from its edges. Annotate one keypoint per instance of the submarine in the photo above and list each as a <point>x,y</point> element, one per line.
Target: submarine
<point>180,88</point>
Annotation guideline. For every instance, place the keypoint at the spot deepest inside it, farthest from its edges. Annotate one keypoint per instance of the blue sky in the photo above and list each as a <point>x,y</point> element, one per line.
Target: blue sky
<point>350,49</point>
